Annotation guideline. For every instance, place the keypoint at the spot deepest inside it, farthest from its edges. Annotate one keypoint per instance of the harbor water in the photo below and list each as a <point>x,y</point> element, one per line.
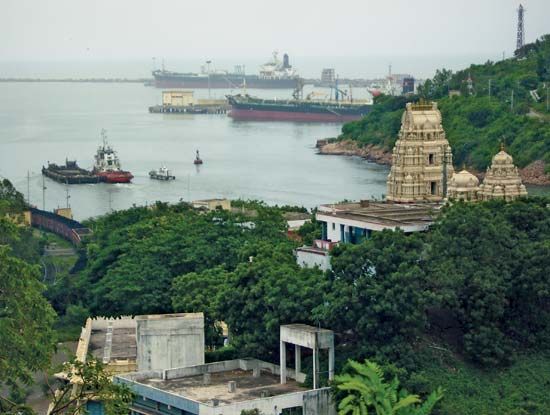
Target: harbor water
<point>272,161</point>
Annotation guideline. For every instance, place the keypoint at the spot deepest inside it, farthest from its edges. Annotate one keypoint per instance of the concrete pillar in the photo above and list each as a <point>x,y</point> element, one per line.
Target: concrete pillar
<point>315,368</point>
<point>282,365</point>
<point>297,359</point>
<point>331,363</point>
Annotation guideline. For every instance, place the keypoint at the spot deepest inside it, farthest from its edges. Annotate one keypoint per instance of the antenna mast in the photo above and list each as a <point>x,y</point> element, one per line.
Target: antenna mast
<point>520,40</point>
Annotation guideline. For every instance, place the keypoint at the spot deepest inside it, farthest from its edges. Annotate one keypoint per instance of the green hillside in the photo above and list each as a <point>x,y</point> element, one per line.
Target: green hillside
<point>500,105</point>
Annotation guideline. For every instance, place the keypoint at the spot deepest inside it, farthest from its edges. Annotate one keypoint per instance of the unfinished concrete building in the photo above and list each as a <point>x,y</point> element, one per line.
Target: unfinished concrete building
<point>127,344</point>
<point>229,387</point>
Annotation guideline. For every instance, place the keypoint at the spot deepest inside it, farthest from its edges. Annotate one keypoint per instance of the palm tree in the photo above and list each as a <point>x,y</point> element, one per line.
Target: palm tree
<point>368,393</point>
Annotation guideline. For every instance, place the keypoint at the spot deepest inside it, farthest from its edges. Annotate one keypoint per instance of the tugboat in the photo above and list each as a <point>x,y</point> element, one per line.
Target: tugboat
<point>197,160</point>
<point>161,174</point>
<point>107,164</point>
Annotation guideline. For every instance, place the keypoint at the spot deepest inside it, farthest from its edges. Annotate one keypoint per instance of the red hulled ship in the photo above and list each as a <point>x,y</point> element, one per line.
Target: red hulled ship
<point>107,164</point>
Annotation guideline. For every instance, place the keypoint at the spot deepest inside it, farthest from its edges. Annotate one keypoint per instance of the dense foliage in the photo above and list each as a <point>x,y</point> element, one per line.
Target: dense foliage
<point>474,291</point>
<point>478,120</point>
<point>365,390</point>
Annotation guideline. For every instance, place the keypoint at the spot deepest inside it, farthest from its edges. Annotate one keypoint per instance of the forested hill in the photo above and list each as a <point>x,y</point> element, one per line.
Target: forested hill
<point>481,117</point>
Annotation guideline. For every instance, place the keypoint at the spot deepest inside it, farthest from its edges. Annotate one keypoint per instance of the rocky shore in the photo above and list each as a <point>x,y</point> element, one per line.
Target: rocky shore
<point>531,174</point>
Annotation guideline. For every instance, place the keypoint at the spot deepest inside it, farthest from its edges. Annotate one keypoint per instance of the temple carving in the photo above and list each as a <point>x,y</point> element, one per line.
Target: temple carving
<point>422,165</point>
<point>422,160</point>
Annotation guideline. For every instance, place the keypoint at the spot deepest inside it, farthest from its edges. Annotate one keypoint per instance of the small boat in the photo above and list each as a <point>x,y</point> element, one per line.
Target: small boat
<point>161,174</point>
<point>197,160</point>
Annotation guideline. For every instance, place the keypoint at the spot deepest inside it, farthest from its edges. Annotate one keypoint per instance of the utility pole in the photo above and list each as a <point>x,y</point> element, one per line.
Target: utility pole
<point>512,101</point>
<point>67,196</point>
<point>43,194</point>
<point>28,187</point>
<point>490,88</point>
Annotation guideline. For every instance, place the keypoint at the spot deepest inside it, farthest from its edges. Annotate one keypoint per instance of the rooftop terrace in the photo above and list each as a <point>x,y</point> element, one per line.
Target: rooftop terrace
<point>381,215</point>
<point>247,386</point>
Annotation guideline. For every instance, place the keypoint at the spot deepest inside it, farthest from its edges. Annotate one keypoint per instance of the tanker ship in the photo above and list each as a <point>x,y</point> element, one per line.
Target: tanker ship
<point>246,107</point>
<point>273,74</point>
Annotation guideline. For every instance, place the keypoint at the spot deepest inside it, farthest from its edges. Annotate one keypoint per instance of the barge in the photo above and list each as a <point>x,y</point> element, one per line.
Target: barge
<point>70,173</point>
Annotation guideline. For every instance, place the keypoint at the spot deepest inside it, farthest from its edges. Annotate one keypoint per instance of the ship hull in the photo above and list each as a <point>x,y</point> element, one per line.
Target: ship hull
<point>116,177</point>
<point>265,115</point>
<point>174,81</point>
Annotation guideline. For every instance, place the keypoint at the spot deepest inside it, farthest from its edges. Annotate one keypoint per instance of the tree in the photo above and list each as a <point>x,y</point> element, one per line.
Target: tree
<point>377,296</point>
<point>367,392</point>
<point>84,382</point>
<point>199,292</point>
<point>27,339</point>
<point>263,294</point>
<point>94,384</point>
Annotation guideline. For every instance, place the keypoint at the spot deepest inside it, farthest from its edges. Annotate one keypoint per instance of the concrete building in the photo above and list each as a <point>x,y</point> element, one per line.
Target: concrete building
<point>317,255</point>
<point>229,387</point>
<point>422,160</point>
<point>328,76</point>
<point>353,222</point>
<point>169,340</point>
<point>212,204</point>
<point>127,344</point>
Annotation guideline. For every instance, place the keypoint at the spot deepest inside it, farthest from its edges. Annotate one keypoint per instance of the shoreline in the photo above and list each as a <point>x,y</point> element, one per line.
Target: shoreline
<point>533,174</point>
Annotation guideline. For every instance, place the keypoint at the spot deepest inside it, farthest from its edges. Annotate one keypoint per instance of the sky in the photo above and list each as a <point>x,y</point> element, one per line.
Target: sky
<point>87,30</point>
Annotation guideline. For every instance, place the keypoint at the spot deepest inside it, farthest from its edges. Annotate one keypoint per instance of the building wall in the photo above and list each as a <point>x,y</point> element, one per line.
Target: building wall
<point>170,341</point>
<point>307,259</point>
<point>177,98</point>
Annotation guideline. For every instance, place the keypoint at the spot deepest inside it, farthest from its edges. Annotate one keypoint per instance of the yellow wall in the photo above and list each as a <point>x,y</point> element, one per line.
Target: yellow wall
<point>178,98</point>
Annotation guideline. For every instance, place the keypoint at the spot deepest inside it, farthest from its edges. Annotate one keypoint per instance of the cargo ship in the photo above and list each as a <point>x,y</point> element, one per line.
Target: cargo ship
<point>107,164</point>
<point>273,74</point>
<point>246,107</point>
<point>70,173</point>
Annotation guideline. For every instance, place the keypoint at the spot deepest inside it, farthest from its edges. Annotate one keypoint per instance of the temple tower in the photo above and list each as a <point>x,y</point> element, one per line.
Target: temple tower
<point>502,180</point>
<point>422,161</point>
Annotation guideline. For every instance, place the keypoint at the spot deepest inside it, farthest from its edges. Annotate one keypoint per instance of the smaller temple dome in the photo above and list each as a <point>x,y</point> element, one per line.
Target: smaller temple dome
<point>464,179</point>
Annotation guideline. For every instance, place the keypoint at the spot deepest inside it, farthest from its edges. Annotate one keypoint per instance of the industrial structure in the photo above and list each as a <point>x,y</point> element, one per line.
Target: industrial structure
<point>520,36</point>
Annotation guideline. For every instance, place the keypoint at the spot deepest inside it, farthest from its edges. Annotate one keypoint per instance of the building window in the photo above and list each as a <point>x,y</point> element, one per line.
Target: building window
<point>433,187</point>
<point>431,158</point>
<point>333,226</point>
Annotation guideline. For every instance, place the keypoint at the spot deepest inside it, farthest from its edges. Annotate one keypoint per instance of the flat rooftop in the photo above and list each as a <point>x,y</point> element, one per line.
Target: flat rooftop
<point>248,386</point>
<point>384,214</point>
<point>123,344</point>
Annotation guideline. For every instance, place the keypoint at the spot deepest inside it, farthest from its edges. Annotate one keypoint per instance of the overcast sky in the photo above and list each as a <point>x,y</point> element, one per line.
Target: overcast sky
<point>128,29</point>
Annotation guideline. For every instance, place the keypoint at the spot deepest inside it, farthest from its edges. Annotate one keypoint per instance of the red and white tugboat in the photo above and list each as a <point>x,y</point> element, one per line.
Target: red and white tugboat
<point>107,164</point>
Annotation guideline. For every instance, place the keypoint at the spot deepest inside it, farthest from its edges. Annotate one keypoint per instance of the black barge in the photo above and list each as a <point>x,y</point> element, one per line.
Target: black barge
<point>70,173</point>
